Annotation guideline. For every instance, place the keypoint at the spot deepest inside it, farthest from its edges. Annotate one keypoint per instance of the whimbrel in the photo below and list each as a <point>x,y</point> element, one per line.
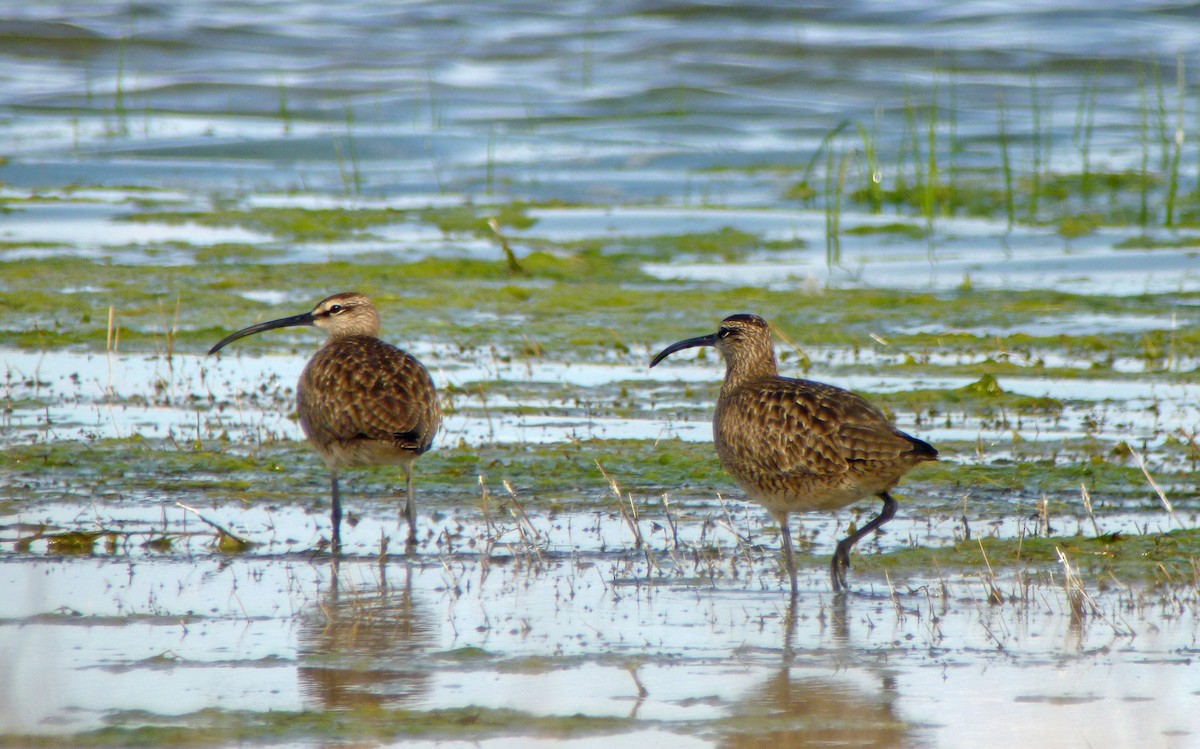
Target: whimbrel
<point>797,445</point>
<point>361,401</point>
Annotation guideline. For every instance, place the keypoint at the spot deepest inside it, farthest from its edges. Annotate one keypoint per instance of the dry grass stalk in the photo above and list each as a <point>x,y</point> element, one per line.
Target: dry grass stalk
<point>630,515</point>
<point>518,512</point>
<point>1087,504</point>
<point>1077,597</point>
<point>742,545</point>
<point>487,515</point>
<point>1154,484</point>
<point>224,533</point>
<point>995,597</point>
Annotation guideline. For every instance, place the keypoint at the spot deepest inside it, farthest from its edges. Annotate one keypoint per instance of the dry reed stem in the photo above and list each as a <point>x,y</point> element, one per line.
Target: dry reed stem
<point>630,516</point>
<point>519,515</point>
<point>1154,484</point>
<point>1087,503</point>
<point>995,597</point>
<point>220,528</point>
<point>745,549</point>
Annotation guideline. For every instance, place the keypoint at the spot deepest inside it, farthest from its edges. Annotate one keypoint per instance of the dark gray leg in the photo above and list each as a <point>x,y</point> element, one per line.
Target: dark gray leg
<point>335,515</point>
<point>841,557</point>
<point>788,560</point>
<point>410,507</point>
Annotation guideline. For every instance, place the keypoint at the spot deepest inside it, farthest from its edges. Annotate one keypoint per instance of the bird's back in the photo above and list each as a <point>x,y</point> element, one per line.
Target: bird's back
<point>801,445</point>
<point>363,401</point>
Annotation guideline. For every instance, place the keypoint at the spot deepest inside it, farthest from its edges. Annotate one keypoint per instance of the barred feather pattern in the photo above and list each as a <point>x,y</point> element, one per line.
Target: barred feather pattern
<point>798,445</point>
<point>365,402</point>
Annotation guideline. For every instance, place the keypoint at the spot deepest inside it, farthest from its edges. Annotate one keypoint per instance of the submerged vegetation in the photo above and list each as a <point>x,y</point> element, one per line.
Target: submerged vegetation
<point>362,723</point>
<point>570,293</point>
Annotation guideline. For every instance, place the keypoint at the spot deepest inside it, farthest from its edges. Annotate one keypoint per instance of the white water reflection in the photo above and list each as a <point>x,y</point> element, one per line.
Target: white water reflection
<point>91,228</point>
<point>1095,269</point>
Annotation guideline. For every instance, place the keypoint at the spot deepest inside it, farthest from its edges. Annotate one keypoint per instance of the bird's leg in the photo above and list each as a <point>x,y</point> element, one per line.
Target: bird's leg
<point>335,515</point>
<point>789,631</point>
<point>838,618</point>
<point>838,564</point>
<point>788,560</point>
<point>841,557</point>
<point>410,507</point>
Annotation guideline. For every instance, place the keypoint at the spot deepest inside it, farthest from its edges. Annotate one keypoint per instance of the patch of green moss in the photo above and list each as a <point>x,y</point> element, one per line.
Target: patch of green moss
<point>338,224</point>
<point>965,196</point>
<point>7,246</point>
<point>1071,227</point>
<point>585,297</point>
<point>72,542</point>
<point>468,654</point>
<point>985,396</point>
<point>727,243</point>
<point>1146,242</point>
<point>470,219</point>
<point>997,482</point>
<point>801,191</point>
<point>560,474</point>
<point>1151,556</point>
<point>908,230</point>
<point>297,224</point>
<point>1090,199</point>
<point>355,724</point>
<point>1062,186</point>
<point>228,252</point>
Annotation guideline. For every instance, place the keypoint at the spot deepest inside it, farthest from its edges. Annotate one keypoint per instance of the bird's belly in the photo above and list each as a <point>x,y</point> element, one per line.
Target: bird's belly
<point>361,451</point>
<point>806,492</point>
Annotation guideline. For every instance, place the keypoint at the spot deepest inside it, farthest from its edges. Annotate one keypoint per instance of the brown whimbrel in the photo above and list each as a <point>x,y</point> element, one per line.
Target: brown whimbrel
<point>361,401</point>
<point>797,445</point>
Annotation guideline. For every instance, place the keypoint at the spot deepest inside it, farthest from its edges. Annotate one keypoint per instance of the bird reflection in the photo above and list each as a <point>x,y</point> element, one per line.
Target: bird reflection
<point>363,647</point>
<point>817,711</point>
<point>833,618</point>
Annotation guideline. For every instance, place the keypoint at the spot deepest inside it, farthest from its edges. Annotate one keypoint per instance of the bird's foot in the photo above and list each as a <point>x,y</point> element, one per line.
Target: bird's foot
<point>837,569</point>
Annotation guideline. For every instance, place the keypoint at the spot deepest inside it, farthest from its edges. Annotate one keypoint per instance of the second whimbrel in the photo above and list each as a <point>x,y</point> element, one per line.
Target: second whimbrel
<point>361,401</point>
<point>797,445</point>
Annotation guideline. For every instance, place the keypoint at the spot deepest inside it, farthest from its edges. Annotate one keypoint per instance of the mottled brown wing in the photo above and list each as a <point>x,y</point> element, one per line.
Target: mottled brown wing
<point>786,426</point>
<point>362,387</point>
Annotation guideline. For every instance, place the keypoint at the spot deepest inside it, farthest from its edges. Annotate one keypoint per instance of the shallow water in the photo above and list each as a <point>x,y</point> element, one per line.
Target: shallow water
<point>621,123</point>
<point>94,396</point>
<point>609,105</point>
<point>560,637</point>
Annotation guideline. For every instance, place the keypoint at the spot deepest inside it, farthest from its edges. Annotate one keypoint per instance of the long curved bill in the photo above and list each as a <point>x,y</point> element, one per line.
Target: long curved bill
<point>704,340</point>
<point>284,322</point>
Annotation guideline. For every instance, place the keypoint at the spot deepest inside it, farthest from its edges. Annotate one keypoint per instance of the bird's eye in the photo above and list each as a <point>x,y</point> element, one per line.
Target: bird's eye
<point>724,333</point>
<point>336,309</point>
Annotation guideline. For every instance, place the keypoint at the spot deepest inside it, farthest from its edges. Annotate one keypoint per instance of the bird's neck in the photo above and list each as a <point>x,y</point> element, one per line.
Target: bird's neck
<point>344,336</point>
<point>738,373</point>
